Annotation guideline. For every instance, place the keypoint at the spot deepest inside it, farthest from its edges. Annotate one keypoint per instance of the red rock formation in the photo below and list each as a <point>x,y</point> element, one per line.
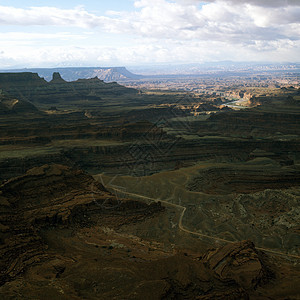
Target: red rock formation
<point>53,195</point>
<point>238,261</point>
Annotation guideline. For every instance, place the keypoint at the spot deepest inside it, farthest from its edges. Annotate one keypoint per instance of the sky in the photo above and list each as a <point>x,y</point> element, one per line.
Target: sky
<point>43,33</point>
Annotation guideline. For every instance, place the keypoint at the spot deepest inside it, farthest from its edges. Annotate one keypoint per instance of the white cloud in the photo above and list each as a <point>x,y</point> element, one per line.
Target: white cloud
<point>265,3</point>
<point>29,36</point>
<point>147,51</point>
<point>46,16</point>
<point>163,19</point>
<point>165,31</point>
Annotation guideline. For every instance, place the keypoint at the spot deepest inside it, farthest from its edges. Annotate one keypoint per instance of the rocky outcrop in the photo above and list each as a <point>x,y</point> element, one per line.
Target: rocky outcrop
<point>30,87</point>
<point>240,262</point>
<point>12,106</point>
<point>54,195</point>
<point>56,78</point>
<point>229,272</point>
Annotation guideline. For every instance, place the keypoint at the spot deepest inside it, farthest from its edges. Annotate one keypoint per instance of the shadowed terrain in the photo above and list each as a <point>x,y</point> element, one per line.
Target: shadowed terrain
<point>113,193</point>
<point>64,234</point>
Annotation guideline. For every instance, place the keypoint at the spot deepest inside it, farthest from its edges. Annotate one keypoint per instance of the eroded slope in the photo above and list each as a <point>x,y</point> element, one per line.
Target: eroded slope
<point>62,238</point>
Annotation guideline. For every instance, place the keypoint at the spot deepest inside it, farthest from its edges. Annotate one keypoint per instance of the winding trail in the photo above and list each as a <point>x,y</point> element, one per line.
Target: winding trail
<point>182,228</point>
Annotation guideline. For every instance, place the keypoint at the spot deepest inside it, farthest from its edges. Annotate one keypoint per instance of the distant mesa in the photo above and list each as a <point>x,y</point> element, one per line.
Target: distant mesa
<point>30,87</point>
<point>71,74</point>
<point>21,79</point>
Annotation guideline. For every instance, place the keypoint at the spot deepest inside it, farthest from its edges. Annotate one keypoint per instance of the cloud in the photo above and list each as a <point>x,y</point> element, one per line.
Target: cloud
<point>147,51</point>
<point>264,3</point>
<point>27,36</point>
<point>164,31</point>
<point>217,21</point>
<point>77,17</point>
<point>162,19</point>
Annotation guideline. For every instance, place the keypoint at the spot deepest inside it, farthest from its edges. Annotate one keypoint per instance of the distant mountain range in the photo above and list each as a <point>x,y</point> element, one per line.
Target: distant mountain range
<point>214,68</point>
<point>74,73</point>
<point>121,74</point>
